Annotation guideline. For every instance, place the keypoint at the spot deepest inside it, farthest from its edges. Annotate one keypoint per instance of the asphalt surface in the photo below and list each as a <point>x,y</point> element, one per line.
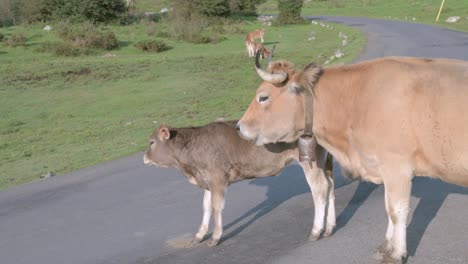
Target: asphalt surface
<point>125,212</point>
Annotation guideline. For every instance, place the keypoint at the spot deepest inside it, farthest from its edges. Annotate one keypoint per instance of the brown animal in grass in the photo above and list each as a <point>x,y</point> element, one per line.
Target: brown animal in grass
<point>214,156</point>
<point>253,48</point>
<point>256,34</point>
<point>385,120</point>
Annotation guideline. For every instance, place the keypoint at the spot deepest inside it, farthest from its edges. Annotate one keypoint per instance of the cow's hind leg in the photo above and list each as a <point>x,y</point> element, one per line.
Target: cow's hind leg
<point>206,218</point>
<point>386,248</point>
<point>217,202</point>
<point>397,196</point>
<point>331,217</point>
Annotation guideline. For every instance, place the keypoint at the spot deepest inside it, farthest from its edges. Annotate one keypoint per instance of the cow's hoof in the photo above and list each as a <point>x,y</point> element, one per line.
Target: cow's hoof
<point>328,232</point>
<point>382,251</point>
<point>314,237</point>
<point>387,259</point>
<point>213,242</point>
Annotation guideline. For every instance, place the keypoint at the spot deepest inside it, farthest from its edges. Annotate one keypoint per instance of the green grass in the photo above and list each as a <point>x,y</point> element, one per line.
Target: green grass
<point>60,114</point>
<point>424,11</point>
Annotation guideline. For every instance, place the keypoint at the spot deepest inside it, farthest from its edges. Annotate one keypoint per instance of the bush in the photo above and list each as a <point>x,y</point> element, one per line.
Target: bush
<point>188,25</point>
<point>151,46</point>
<point>82,10</point>
<point>13,12</point>
<point>61,49</point>
<point>87,36</point>
<point>244,5</point>
<point>16,40</point>
<point>1,37</point>
<point>214,7</point>
<point>290,12</point>
<point>80,39</point>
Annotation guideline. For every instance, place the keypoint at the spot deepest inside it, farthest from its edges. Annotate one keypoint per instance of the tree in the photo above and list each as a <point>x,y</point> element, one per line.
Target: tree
<point>81,10</point>
<point>290,12</point>
<point>214,7</point>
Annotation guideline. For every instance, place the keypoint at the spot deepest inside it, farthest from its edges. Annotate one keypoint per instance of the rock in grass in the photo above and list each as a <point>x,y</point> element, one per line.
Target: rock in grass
<point>453,19</point>
<point>339,54</point>
<point>47,28</point>
<point>47,175</point>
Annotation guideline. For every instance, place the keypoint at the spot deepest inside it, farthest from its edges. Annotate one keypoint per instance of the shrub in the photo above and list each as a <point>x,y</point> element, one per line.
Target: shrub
<point>13,12</point>
<point>15,40</point>
<point>1,37</point>
<point>188,25</point>
<point>151,46</point>
<point>290,12</point>
<point>244,5</point>
<point>214,7</point>
<point>82,10</point>
<point>81,39</point>
<point>61,49</point>
<point>86,35</point>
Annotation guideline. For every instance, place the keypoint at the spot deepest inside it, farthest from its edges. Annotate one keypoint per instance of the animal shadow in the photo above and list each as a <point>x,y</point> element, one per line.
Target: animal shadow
<point>432,194</point>
<point>290,183</point>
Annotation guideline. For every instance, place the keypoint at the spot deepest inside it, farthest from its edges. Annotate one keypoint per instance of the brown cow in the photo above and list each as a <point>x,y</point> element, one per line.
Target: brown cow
<point>256,34</point>
<point>253,48</point>
<point>214,156</point>
<point>385,120</point>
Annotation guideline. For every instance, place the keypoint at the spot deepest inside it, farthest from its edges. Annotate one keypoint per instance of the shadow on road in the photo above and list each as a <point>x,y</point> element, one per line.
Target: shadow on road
<point>432,194</point>
<point>290,183</point>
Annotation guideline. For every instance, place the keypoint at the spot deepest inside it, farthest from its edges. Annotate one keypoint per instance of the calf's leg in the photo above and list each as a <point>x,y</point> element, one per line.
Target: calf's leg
<point>217,202</point>
<point>206,217</point>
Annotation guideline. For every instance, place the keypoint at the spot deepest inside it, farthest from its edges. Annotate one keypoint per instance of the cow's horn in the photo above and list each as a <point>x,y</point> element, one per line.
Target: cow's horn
<point>266,76</point>
<point>271,56</point>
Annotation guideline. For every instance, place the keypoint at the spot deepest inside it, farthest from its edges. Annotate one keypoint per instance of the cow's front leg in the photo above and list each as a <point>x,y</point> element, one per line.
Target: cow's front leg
<point>217,202</point>
<point>319,188</point>
<point>397,192</point>
<point>206,218</point>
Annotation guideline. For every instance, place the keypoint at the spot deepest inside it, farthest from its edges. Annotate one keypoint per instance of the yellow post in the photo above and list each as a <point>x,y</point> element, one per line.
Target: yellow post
<point>440,10</point>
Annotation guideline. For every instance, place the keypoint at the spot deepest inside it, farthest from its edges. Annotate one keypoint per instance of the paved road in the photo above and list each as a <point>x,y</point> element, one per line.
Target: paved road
<point>124,212</point>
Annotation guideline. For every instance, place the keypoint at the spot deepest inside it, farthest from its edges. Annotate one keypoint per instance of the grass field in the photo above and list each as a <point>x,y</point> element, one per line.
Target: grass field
<point>60,114</point>
<point>423,11</point>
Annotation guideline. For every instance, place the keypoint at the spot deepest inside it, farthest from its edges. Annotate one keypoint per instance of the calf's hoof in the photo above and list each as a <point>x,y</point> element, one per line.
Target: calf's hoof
<point>195,241</point>
<point>213,242</point>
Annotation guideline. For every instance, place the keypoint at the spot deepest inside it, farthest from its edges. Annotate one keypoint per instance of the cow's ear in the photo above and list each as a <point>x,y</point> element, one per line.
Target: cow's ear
<point>306,78</point>
<point>163,133</point>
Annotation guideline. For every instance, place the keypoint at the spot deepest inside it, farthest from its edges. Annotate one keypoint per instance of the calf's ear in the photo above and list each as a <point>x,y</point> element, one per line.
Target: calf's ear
<point>163,133</point>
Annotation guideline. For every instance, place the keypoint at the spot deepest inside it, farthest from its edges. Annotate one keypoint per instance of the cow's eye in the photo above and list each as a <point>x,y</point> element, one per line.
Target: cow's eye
<point>262,98</point>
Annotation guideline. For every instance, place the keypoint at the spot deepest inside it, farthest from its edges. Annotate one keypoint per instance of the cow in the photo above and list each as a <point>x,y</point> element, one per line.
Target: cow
<point>253,48</point>
<point>214,156</point>
<point>256,34</point>
<point>384,120</point>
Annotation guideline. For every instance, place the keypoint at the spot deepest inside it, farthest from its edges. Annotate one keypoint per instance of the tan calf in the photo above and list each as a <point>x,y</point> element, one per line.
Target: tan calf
<point>385,120</point>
